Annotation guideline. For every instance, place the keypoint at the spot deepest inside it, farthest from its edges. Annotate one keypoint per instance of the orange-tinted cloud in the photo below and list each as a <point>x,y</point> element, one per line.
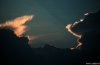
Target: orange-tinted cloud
<point>17,24</point>
<point>68,27</point>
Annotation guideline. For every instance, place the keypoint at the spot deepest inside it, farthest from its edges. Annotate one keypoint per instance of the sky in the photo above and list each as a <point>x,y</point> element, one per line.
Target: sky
<point>50,18</point>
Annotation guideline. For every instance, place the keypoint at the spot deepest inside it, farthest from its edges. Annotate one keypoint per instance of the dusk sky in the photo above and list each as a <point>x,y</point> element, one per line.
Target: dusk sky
<point>50,18</point>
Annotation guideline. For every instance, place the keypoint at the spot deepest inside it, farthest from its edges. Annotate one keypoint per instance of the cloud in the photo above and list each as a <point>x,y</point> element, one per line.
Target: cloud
<point>90,24</point>
<point>17,24</point>
<point>68,27</point>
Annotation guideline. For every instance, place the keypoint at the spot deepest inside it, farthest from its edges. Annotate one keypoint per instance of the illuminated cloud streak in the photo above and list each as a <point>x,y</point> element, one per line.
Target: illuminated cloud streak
<point>68,27</point>
<point>89,24</point>
<point>17,24</point>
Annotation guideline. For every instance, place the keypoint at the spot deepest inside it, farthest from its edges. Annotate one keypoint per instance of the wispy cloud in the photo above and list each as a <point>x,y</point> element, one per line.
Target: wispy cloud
<point>17,24</point>
<point>68,27</point>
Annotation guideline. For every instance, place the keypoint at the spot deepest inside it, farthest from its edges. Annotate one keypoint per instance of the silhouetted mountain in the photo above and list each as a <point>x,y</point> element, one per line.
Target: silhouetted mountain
<point>14,50</point>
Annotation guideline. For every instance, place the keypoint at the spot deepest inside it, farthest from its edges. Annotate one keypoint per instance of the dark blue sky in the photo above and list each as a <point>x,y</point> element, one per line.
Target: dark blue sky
<point>51,17</point>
